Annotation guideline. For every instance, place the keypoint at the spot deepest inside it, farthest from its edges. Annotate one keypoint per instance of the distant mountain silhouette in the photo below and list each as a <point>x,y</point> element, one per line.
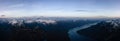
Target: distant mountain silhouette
<point>40,28</point>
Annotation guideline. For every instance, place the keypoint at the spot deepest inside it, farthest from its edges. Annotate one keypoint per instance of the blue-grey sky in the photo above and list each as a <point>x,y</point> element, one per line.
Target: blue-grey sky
<point>77,8</point>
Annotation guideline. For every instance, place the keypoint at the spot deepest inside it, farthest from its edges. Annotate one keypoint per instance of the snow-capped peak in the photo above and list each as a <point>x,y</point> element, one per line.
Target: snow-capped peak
<point>13,22</point>
<point>46,21</point>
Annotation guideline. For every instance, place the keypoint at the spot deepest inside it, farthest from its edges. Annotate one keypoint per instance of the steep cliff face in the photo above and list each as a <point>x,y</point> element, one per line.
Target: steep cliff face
<point>103,31</point>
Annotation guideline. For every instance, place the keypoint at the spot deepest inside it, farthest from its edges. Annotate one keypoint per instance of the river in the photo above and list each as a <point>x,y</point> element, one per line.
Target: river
<point>74,36</point>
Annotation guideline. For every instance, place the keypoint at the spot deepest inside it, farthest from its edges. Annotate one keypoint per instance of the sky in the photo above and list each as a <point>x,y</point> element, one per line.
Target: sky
<point>73,8</point>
